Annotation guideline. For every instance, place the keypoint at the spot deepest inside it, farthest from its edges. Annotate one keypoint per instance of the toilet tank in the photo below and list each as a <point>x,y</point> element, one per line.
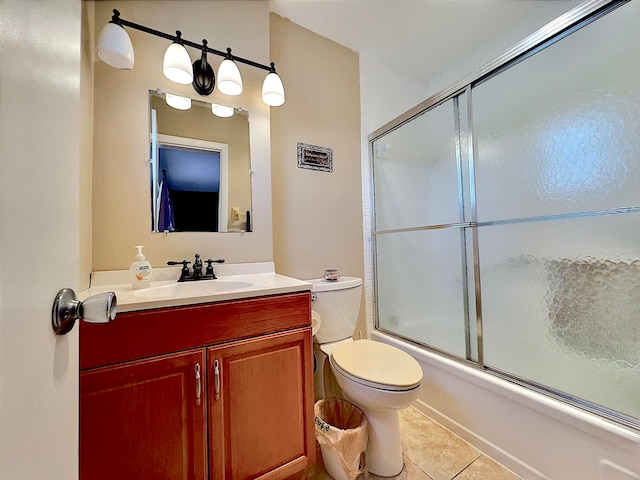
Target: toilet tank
<point>338,304</point>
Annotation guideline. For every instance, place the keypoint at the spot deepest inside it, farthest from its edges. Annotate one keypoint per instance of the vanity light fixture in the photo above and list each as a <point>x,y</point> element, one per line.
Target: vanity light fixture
<point>221,110</point>
<point>114,47</point>
<point>229,79</point>
<point>272,88</point>
<point>176,64</point>
<point>116,50</point>
<point>177,102</point>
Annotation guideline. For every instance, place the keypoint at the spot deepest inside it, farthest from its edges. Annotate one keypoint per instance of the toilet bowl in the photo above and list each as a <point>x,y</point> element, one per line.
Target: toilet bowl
<point>378,378</point>
<point>381,380</point>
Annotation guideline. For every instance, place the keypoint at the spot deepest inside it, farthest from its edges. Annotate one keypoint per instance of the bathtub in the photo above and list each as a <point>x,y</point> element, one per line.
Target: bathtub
<point>535,436</point>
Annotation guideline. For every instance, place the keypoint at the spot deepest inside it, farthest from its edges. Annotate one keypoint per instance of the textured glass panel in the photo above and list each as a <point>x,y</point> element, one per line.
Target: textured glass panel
<point>415,172</point>
<point>561,305</point>
<point>560,132</point>
<point>420,287</point>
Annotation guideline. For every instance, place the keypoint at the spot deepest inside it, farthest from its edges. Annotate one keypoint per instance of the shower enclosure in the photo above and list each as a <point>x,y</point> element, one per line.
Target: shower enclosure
<point>507,215</point>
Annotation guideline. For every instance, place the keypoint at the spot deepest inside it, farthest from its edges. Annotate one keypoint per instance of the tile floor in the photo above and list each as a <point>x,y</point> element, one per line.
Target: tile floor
<point>431,452</point>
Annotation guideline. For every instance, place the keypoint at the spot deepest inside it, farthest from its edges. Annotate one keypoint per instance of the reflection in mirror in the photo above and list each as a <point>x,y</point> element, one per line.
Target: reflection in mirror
<point>200,168</point>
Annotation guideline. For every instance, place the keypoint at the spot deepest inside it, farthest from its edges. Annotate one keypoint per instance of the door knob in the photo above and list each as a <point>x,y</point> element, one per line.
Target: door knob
<point>67,309</point>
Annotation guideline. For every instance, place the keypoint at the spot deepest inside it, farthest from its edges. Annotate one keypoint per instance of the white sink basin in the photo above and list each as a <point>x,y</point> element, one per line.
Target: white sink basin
<point>192,289</point>
<point>234,282</point>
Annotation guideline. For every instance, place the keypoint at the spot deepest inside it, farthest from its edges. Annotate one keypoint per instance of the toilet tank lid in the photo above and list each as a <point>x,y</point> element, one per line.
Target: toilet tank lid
<point>343,283</point>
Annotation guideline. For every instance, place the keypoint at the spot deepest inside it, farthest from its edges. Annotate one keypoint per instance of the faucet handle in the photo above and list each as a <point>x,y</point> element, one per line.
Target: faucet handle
<point>220,260</point>
<point>209,270</point>
<point>185,270</point>
<point>184,263</point>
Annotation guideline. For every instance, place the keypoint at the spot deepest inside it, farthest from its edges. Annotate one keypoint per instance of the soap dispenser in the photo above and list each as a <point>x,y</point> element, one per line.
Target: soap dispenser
<point>140,271</point>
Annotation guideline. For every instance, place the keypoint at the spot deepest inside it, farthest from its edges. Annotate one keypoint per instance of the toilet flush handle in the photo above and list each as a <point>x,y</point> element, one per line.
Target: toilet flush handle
<point>313,296</point>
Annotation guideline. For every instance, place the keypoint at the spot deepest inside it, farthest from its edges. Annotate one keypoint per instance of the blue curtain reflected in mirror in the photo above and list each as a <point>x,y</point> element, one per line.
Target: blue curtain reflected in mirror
<point>165,217</point>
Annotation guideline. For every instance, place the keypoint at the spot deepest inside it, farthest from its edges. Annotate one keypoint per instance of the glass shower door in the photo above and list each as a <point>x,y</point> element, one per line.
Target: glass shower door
<point>557,161</point>
<point>419,231</point>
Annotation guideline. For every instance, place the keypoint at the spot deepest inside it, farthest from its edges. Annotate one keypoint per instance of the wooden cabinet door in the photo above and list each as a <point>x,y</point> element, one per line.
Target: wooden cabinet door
<point>144,420</point>
<point>261,407</point>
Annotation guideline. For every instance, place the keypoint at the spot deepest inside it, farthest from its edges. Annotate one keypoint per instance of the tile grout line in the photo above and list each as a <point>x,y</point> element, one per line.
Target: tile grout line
<point>470,463</point>
<point>407,459</point>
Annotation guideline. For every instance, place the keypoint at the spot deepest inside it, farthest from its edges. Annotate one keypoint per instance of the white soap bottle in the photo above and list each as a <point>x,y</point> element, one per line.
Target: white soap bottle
<point>140,271</point>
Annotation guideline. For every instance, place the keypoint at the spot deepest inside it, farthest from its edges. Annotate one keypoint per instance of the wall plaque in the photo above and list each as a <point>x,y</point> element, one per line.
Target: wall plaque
<point>315,158</point>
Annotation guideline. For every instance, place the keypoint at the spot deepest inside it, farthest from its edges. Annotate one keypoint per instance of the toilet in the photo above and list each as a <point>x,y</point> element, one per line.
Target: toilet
<point>378,378</point>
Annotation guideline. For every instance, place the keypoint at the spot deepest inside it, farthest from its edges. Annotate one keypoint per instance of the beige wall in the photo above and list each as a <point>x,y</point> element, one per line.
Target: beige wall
<point>317,216</point>
<point>121,199</point>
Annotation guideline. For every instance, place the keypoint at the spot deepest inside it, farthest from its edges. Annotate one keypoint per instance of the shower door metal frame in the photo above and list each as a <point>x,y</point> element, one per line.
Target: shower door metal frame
<point>546,36</point>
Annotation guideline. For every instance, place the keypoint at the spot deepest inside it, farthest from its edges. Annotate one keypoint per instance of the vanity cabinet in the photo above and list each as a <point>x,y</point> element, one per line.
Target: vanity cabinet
<point>219,391</point>
<point>144,419</point>
<point>255,409</point>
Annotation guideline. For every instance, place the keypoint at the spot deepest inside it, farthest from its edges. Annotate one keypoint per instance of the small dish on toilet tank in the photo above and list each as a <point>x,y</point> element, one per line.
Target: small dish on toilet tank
<point>331,275</point>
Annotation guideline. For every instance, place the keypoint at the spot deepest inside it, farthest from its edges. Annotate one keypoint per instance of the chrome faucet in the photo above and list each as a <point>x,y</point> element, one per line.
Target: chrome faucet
<point>187,276</point>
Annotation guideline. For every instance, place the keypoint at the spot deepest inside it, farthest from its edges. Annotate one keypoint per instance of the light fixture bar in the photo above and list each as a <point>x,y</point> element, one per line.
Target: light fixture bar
<point>200,46</point>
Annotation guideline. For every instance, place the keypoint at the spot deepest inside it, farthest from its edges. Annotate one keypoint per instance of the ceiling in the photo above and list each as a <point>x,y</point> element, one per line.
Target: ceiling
<point>417,37</point>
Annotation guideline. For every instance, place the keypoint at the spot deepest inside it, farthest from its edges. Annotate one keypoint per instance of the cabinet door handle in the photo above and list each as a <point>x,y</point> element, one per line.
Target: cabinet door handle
<point>216,379</point>
<point>198,385</point>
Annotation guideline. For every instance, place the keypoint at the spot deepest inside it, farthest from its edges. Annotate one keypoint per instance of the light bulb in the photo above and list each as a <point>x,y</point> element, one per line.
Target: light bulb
<point>176,65</point>
<point>177,102</point>
<point>229,79</point>
<point>273,90</point>
<point>221,110</point>
<point>115,48</point>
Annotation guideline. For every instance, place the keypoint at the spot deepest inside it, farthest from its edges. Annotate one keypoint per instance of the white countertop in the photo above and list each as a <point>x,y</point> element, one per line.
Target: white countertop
<point>235,281</point>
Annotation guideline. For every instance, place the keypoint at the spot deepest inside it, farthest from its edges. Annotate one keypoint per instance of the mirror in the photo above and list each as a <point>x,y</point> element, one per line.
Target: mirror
<point>200,168</point>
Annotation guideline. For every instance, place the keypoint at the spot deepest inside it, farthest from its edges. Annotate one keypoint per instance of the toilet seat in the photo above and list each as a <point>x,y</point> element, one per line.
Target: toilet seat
<point>327,348</point>
<point>376,365</point>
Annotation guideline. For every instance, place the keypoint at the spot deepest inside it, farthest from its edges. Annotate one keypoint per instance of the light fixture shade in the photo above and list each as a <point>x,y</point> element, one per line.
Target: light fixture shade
<point>273,90</point>
<point>229,79</point>
<point>177,64</point>
<point>177,102</point>
<point>221,110</point>
<point>115,48</point>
